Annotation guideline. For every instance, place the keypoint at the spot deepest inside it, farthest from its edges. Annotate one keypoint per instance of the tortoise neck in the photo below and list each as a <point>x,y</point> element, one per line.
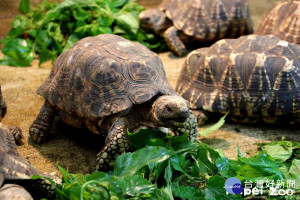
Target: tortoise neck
<point>145,114</point>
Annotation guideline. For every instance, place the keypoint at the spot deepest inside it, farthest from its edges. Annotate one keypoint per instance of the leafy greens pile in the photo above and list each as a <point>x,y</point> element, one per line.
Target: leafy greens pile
<point>52,28</point>
<point>168,168</point>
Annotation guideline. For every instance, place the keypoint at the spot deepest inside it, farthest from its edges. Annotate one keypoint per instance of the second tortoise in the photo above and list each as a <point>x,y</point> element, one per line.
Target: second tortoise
<point>182,22</point>
<point>282,21</point>
<point>253,77</point>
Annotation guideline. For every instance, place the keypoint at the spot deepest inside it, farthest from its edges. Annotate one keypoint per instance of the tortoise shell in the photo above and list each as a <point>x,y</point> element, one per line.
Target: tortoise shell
<point>282,20</point>
<point>252,76</point>
<point>13,166</point>
<point>16,170</point>
<point>209,20</point>
<point>103,75</point>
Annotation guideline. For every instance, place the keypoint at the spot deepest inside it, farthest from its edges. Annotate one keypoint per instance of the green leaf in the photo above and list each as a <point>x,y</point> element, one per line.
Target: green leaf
<point>226,167</point>
<point>186,192</point>
<point>295,171</point>
<point>281,151</point>
<point>295,167</point>
<point>119,3</point>
<point>278,152</point>
<point>130,163</point>
<point>168,173</point>
<point>99,176</point>
<point>260,167</point>
<point>206,160</point>
<point>240,155</point>
<point>133,186</point>
<point>54,31</point>
<point>162,194</point>
<point>24,6</point>
<point>18,52</point>
<point>215,189</point>
<point>72,39</point>
<point>214,127</point>
<point>128,21</point>
<point>81,14</point>
<point>145,137</point>
<point>105,20</point>
<point>266,166</point>
<point>46,55</point>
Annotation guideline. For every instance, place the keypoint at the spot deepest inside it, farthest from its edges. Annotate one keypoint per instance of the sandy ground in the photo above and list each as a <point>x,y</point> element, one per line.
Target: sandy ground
<point>75,149</point>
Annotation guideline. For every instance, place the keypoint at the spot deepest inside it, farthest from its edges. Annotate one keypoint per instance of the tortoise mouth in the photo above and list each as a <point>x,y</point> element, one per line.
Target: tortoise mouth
<point>174,122</point>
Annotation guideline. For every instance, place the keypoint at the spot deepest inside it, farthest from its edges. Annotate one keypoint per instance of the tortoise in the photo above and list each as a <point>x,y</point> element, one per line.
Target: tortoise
<point>16,131</point>
<point>201,21</point>
<point>110,85</point>
<point>256,78</point>
<point>282,21</point>
<point>15,173</point>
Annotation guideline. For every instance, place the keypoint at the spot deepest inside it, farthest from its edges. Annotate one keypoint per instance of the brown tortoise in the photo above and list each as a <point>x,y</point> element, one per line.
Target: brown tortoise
<point>253,77</point>
<point>202,21</point>
<point>109,84</point>
<point>282,20</point>
<point>15,171</point>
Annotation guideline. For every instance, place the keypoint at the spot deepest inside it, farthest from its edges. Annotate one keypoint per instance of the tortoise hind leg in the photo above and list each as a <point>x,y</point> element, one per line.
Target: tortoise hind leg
<point>117,142</point>
<point>174,42</point>
<point>40,129</point>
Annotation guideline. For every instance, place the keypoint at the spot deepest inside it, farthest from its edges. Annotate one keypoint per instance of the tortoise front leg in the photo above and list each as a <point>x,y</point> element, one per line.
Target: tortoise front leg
<point>190,127</point>
<point>17,134</point>
<point>117,142</point>
<point>40,129</point>
<point>174,42</point>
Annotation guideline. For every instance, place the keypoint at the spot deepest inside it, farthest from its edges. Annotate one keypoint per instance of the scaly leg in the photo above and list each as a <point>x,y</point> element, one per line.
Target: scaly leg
<point>40,129</point>
<point>190,127</point>
<point>117,142</point>
<point>174,42</point>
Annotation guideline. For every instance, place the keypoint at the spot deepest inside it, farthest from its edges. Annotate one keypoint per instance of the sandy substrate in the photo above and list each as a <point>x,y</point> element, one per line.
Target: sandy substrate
<point>76,150</point>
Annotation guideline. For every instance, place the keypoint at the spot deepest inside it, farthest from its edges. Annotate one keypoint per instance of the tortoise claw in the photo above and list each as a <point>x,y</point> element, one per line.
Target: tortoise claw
<point>17,134</point>
<point>37,135</point>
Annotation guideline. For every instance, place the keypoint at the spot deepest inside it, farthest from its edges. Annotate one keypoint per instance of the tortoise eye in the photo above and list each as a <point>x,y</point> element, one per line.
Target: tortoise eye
<point>169,109</point>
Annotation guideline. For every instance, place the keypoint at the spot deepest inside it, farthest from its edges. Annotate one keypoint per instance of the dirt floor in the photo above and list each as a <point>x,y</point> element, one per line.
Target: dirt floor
<point>76,151</point>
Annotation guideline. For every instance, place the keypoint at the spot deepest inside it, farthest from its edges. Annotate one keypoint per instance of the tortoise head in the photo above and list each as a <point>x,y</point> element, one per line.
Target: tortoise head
<point>2,106</point>
<point>170,111</point>
<point>153,19</point>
